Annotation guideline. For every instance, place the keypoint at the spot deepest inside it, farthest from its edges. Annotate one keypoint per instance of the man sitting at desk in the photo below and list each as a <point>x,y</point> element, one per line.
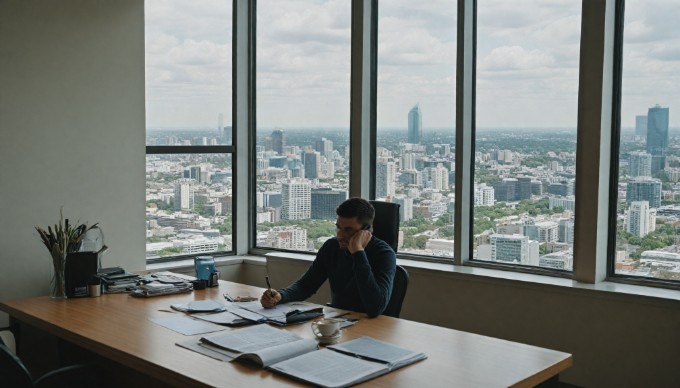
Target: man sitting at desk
<point>359,267</point>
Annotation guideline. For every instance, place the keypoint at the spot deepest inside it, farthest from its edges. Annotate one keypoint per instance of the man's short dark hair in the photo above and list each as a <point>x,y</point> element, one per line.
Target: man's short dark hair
<point>359,208</point>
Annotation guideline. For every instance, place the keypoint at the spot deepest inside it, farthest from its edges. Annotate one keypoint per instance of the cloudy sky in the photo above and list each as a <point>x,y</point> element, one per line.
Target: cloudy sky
<point>528,54</point>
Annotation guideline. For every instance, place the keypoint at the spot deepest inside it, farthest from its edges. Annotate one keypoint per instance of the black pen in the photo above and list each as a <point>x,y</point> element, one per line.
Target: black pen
<point>269,286</point>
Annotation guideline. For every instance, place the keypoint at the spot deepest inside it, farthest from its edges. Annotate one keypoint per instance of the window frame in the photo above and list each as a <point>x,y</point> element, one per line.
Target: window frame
<point>598,130</point>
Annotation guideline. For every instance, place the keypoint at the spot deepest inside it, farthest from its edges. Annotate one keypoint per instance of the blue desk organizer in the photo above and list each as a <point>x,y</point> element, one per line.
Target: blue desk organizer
<point>205,266</point>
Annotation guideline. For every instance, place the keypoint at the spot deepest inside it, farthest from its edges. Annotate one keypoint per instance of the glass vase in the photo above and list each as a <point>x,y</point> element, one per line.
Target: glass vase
<point>58,284</point>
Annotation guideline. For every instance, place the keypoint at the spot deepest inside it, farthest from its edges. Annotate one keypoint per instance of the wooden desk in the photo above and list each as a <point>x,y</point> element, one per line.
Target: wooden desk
<point>117,327</point>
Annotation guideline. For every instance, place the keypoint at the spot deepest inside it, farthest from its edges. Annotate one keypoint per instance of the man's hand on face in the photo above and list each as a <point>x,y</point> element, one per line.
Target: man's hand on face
<point>359,241</point>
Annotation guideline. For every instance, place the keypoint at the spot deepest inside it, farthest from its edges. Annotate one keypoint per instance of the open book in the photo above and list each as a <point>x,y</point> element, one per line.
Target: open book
<point>338,365</point>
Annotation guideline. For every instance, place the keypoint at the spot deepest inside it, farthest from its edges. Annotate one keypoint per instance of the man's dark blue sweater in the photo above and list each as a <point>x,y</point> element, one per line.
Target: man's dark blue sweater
<point>360,282</point>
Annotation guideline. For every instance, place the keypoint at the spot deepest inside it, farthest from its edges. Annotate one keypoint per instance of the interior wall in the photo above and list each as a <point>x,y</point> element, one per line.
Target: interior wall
<point>72,131</point>
<point>616,340</point>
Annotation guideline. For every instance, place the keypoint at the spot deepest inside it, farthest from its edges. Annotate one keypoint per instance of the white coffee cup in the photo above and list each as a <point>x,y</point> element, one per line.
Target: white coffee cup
<point>325,327</point>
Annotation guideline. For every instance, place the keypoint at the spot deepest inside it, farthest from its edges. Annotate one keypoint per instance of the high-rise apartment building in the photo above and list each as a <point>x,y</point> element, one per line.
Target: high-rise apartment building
<point>484,195</point>
<point>405,208</point>
<point>565,232</point>
<point>439,177</point>
<point>644,189</point>
<point>385,179</point>
<point>296,198</point>
<point>278,141</point>
<point>640,219</point>
<point>184,194</point>
<point>639,164</point>
<point>415,125</point>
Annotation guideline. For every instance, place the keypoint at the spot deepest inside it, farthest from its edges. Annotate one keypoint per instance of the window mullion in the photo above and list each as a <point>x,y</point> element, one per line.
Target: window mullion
<point>594,141</point>
<point>243,75</point>
<point>363,99</point>
<point>465,121</point>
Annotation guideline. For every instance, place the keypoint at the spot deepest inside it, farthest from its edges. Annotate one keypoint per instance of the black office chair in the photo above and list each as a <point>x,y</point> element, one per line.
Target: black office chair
<point>386,228</point>
<point>386,222</point>
<point>14,374</point>
<point>399,286</point>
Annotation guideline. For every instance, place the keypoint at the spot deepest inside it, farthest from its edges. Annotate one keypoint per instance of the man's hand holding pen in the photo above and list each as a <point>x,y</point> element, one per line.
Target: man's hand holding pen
<point>270,297</point>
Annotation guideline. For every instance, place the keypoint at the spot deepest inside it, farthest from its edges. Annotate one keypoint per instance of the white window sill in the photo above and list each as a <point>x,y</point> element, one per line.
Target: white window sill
<point>220,261</point>
<point>469,273</point>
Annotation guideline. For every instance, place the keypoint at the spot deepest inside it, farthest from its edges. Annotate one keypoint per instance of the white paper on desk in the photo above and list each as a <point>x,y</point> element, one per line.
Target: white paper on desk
<point>278,312</point>
<point>223,318</point>
<point>327,368</point>
<point>369,348</point>
<point>212,352</point>
<point>187,326</point>
<point>251,339</point>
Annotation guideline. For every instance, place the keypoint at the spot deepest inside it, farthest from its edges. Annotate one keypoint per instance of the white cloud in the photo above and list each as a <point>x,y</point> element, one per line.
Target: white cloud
<point>515,58</point>
<point>528,55</point>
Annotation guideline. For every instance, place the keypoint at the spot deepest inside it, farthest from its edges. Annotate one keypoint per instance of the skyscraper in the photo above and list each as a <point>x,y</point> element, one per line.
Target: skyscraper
<point>415,125</point>
<point>324,146</point>
<point>644,189</point>
<point>278,141</point>
<point>184,194</point>
<point>385,179</point>
<point>296,199</point>
<point>312,164</point>
<point>639,164</point>
<point>657,136</point>
<point>640,125</point>
<point>640,219</point>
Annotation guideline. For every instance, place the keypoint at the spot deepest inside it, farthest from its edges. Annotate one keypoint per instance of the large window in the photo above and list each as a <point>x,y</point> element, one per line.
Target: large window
<point>188,112</point>
<point>525,93</point>
<point>416,121</point>
<point>648,216</point>
<point>302,151</point>
<point>525,146</point>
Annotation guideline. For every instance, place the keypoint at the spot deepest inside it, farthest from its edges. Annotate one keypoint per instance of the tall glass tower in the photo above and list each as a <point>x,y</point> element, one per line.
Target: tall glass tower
<point>415,125</point>
<point>657,136</point>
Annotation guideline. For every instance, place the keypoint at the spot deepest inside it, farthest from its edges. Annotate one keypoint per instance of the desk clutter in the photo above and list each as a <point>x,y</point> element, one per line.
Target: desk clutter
<point>116,280</point>
<point>284,352</point>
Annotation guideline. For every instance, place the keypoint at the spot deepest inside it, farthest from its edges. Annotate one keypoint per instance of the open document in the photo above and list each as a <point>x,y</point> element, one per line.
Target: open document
<point>339,365</point>
<point>286,313</point>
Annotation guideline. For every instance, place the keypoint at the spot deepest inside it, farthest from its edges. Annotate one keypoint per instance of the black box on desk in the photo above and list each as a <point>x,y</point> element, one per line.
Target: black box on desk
<point>80,268</point>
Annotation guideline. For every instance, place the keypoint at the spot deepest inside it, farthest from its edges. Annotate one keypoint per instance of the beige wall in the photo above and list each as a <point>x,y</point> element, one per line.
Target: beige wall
<point>616,340</point>
<point>72,131</point>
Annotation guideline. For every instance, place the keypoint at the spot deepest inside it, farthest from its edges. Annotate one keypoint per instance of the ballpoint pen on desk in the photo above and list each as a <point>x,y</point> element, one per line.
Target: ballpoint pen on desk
<point>228,297</point>
<point>269,286</point>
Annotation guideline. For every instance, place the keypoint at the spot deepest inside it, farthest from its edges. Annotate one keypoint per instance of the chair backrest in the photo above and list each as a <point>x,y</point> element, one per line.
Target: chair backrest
<point>13,373</point>
<point>386,222</point>
<point>399,287</point>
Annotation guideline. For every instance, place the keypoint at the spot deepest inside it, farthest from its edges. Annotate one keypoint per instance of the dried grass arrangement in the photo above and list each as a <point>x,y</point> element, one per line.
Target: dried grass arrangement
<point>60,241</point>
